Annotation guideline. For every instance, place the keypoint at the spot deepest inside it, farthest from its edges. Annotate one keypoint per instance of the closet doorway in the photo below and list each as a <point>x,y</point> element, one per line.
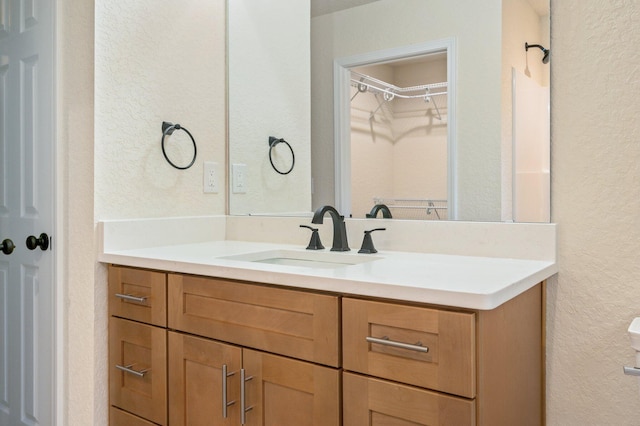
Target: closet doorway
<point>394,134</point>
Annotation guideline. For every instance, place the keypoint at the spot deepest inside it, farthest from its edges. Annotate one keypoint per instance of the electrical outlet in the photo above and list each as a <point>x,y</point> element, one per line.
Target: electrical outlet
<point>210,182</point>
<point>239,178</point>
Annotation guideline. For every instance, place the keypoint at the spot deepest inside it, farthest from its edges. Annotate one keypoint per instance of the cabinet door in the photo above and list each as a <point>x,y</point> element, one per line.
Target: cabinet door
<point>138,295</point>
<point>138,369</point>
<point>281,391</point>
<point>203,379</point>
<point>374,402</point>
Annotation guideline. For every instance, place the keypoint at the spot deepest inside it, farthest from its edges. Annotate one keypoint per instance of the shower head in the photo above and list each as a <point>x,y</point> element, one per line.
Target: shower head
<point>545,56</point>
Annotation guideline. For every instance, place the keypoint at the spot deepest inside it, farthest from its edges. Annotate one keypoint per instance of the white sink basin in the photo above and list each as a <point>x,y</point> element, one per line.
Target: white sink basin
<point>304,259</point>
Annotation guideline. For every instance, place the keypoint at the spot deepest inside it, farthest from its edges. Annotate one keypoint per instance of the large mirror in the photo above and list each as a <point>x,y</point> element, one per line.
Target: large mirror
<point>279,87</point>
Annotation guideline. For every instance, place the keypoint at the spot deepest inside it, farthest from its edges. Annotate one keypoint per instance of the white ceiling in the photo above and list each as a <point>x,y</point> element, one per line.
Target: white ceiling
<point>322,7</point>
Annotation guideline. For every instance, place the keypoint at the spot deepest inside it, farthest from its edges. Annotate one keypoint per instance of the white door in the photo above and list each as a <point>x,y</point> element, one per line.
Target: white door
<point>26,209</point>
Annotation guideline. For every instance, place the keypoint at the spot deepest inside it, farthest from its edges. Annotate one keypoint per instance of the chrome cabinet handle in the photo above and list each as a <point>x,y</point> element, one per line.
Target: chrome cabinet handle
<point>243,396</point>
<point>128,369</point>
<point>225,404</point>
<point>132,298</point>
<point>418,346</point>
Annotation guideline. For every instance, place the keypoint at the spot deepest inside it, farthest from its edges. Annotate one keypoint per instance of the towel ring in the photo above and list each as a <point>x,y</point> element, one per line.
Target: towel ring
<point>273,141</point>
<point>167,129</point>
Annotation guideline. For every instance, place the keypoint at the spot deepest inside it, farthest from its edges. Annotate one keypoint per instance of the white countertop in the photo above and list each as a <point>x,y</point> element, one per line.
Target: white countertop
<point>473,282</point>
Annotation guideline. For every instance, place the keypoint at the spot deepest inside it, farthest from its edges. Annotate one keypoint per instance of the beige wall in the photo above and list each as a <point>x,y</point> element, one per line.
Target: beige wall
<point>80,395</point>
<point>158,60</point>
<point>595,191</point>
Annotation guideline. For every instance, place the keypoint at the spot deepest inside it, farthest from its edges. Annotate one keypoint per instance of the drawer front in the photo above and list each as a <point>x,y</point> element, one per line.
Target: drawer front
<point>425,347</point>
<point>138,295</point>
<point>294,323</point>
<point>376,402</point>
<point>118,417</point>
<point>138,369</point>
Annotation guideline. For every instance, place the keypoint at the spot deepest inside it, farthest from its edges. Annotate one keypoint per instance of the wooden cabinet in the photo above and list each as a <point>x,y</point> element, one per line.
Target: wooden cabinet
<point>415,365</point>
<point>213,351</point>
<point>203,381</point>
<point>188,350</point>
<point>284,391</point>
<point>138,295</point>
<point>137,347</point>
<point>264,388</point>
<point>376,402</point>
<point>431,348</point>
<point>138,369</point>
<point>294,323</point>
<point>206,382</point>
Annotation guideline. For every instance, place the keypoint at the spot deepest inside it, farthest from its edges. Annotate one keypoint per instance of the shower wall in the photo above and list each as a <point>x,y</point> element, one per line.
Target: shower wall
<point>400,151</point>
<point>531,177</point>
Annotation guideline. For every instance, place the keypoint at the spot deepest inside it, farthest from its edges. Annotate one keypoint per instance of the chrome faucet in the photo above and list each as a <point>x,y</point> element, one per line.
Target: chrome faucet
<point>386,213</point>
<point>339,227</point>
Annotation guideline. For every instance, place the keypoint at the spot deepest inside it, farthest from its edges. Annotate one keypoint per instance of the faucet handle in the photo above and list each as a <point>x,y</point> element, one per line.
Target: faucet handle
<point>314,243</point>
<point>367,241</point>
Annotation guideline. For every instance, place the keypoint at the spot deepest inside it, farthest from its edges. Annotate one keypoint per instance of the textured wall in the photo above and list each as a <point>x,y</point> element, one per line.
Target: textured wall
<point>158,60</point>
<point>595,191</point>
<point>81,396</point>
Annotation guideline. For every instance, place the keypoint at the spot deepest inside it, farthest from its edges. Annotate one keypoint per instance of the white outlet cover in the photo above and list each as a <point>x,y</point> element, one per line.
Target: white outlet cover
<point>211,178</point>
<point>239,178</point>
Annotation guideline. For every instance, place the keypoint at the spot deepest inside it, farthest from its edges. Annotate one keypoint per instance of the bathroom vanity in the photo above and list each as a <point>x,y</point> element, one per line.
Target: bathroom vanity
<point>201,334</point>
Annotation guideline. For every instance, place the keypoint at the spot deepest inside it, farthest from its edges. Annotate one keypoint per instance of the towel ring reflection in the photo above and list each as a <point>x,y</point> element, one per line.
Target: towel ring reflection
<point>167,129</point>
<point>273,141</point>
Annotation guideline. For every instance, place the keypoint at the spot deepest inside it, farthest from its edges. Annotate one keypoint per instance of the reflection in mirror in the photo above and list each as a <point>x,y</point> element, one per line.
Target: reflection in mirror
<point>490,38</point>
<point>397,135</point>
<point>268,89</point>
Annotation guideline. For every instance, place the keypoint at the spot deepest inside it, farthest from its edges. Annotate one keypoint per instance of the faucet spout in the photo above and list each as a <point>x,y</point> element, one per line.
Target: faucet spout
<point>339,228</point>
<point>386,213</point>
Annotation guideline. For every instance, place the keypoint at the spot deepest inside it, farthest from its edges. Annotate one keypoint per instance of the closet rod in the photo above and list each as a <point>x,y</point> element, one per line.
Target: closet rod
<point>374,83</point>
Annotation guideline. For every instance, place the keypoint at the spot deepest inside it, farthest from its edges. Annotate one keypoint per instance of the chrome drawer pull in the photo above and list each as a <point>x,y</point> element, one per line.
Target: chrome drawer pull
<point>131,298</point>
<point>128,369</point>
<point>225,404</point>
<point>243,396</point>
<point>385,341</point>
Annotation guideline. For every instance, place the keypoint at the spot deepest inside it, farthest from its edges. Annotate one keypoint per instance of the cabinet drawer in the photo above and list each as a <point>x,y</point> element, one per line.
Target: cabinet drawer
<point>425,347</point>
<point>294,323</point>
<point>118,417</point>
<point>142,350</point>
<point>138,295</point>
<point>375,402</point>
